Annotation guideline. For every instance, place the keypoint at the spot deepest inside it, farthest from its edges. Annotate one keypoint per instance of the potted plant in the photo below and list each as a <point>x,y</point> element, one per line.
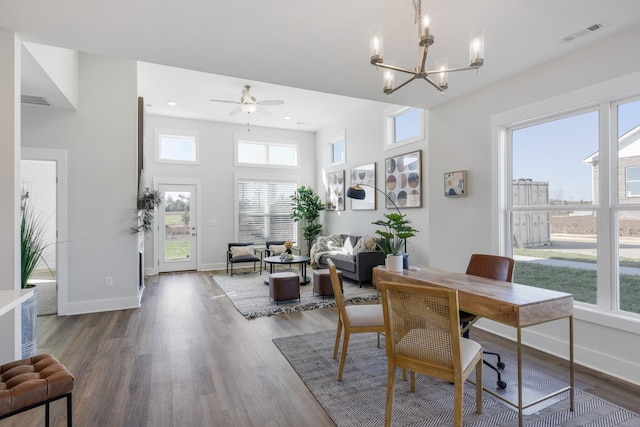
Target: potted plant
<point>32,246</point>
<point>306,208</point>
<point>148,199</point>
<point>392,238</point>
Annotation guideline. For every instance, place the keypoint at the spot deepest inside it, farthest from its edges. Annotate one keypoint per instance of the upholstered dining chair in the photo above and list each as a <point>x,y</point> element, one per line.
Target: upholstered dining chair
<point>242,252</point>
<point>423,335</point>
<point>491,267</point>
<point>357,318</point>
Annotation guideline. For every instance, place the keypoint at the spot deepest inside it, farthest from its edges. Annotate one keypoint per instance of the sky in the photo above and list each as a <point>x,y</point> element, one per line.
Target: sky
<point>555,151</point>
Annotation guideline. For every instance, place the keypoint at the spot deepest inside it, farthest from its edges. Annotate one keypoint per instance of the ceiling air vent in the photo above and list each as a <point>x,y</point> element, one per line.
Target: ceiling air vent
<point>35,100</point>
<point>580,33</point>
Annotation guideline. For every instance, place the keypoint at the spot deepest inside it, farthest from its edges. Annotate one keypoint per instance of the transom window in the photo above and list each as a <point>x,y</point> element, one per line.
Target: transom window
<point>403,125</point>
<point>176,147</point>
<point>336,148</point>
<point>261,152</point>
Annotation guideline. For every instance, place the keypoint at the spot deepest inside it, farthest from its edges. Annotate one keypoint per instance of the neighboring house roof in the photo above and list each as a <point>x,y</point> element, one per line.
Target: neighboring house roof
<point>628,146</point>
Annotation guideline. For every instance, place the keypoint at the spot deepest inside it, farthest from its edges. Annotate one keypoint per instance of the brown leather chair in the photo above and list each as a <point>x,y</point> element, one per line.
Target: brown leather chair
<point>492,267</point>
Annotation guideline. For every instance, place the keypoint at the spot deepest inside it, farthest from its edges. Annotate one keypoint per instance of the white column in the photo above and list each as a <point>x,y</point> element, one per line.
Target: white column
<point>10,189</point>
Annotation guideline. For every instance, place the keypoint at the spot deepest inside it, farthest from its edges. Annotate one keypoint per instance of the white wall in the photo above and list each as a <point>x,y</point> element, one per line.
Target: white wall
<point>101,140</point>
<point>460,137</point>
<point>216,173</point>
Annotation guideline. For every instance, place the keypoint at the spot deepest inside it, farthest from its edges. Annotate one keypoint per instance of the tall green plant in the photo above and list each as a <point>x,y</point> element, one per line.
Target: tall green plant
<point>306,208</point>
<point>32,238</point>
<point>396,230</point>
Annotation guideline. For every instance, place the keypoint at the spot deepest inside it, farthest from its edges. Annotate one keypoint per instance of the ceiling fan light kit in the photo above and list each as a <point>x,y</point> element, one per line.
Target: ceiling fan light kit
<point>248,104</point>
<point>425,39</point>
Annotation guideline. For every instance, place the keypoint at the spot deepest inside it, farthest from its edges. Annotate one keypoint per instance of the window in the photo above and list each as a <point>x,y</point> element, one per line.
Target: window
<point>633,181</point>
<point>264,210</point>
<point>261,152</point>
<point>565,202</point>
<point>336,149</point>
<point>176,147</point>
<point>403,125</point>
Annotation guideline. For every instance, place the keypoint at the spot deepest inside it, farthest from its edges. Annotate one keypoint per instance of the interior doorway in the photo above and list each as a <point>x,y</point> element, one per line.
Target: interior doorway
<point>43,178</point>
<point>177,226</point>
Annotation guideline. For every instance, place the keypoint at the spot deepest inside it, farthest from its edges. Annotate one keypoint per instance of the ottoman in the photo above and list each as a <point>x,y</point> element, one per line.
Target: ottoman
<point>322,282</point>
<point>284,286</point>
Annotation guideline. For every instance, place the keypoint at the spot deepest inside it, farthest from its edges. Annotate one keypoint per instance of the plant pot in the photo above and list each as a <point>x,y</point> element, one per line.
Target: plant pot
<point>394,262</point>
<point>29,323</point>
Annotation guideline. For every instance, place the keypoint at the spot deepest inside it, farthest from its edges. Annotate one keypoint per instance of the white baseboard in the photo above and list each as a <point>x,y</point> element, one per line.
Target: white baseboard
<point>84,307</point>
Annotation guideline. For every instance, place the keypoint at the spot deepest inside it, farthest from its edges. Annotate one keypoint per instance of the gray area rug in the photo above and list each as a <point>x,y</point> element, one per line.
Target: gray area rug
<point>250,295</point>
<point>359,399</point>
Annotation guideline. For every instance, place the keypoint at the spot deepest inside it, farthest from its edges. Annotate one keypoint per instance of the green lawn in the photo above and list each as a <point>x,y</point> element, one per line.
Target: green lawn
<point>580,282</point>
<point>175,250</point>
<point>173,218</point>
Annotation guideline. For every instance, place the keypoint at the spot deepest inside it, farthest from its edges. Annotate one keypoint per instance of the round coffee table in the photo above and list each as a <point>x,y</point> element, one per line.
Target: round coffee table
<point>297,259</point>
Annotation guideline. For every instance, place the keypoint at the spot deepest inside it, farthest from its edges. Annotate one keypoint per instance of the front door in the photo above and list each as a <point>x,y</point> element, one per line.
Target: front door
<point>177,222</point>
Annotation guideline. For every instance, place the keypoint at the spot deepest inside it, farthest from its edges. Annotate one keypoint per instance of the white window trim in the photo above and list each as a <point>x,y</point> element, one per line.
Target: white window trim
<point>265,140</point>
<point>178,133</point>
<point>336,137</point>
<point>389,115</point>
<point>609,91</point>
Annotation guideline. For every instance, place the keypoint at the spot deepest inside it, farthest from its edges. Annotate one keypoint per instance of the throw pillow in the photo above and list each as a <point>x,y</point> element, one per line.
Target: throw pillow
<point>239,251</point>
<point>365,244</point>
<point>277,249</point>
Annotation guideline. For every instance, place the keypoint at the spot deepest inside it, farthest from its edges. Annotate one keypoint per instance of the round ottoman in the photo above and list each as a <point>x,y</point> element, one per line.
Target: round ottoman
<point>322,282</point>
<point>284,286</point>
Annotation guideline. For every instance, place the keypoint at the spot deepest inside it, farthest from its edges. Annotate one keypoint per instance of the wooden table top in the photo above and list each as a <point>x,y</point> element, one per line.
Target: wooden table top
<point>505,302</point>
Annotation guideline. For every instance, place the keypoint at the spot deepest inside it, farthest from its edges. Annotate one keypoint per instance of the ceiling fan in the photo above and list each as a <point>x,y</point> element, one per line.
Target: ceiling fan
<point>249,104</point>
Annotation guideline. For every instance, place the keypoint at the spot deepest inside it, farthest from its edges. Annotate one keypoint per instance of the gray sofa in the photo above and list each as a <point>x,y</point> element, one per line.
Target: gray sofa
<point>355,256</point>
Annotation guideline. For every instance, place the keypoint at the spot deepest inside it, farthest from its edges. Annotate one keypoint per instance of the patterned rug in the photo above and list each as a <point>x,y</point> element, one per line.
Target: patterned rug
<point>250,295</point>
<point>359,399</point>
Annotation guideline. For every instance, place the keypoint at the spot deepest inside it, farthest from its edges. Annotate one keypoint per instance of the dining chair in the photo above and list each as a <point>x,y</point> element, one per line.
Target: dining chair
<point>490,267</point>
<point>357,318</point>
<point>422,330</point>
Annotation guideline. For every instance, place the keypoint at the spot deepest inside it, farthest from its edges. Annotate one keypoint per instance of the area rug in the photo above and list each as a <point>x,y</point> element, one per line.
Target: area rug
<point>359,399</point>
<point>250,295</point>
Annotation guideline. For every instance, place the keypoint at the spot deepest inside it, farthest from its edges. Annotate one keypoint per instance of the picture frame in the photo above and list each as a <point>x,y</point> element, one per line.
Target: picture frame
<point>455,184</point>
<point>403,180</point>
<point>335,191</point>
<point>365,175</point>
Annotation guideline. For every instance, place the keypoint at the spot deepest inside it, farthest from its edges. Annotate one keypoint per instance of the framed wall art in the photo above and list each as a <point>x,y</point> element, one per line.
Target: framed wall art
<point>335,191</point>
<point>455,184</point>
<point>403,180</point>
<point>365,175</point>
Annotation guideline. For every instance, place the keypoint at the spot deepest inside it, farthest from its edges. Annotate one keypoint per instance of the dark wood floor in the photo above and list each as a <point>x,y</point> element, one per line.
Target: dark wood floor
<point>188,358</point>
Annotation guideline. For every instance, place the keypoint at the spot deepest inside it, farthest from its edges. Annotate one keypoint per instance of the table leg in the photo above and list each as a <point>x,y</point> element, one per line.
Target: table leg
<point>519,357</point>
<point>571,370</point>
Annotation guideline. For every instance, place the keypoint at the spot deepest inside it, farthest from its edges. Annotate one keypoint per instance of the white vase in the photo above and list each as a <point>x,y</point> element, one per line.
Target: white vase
<point>394,262</point>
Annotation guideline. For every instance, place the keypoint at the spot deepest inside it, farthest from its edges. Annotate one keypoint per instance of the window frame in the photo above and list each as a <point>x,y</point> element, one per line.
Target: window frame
<point>340,136</point>
<point>390,115</point>
<point>599,96</point>
<point>635,181</point>
<point>186,134</point>
<point>266,142</point>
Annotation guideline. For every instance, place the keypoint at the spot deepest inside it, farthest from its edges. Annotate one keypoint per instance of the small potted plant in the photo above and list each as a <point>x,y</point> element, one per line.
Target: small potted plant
<point>392,238</point>
<point>288,244</point>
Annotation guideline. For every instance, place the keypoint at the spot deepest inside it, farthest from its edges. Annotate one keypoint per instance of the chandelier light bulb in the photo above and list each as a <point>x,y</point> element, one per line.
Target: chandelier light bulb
<point>388,78</point>
<point>375,45</point>
<point>476,48</point>
<point>442,64</point>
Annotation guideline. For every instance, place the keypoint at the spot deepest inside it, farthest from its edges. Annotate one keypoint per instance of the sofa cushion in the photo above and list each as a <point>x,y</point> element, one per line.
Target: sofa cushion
<point>365,244</point>
<point>342,262</point>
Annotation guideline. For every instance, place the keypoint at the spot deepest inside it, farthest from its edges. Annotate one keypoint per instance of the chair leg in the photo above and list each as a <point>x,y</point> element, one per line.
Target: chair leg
<point>479,387</point>
<point>458,403</point>
<point>413,381</point>
<point>343,356</point>
<point>388,409</point>
<point>338,332</point>
<point>46,414</point>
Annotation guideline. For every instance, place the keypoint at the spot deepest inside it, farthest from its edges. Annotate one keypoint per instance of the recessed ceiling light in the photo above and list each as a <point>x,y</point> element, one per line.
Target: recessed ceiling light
<point>171,103</point>
<point>287,117</point>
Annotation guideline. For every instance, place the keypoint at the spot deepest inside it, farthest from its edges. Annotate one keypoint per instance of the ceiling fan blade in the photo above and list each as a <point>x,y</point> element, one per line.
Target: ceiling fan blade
<point>263,111</point>
<point>235,111</point>
<point>224,100</point>
<point>271,102</point>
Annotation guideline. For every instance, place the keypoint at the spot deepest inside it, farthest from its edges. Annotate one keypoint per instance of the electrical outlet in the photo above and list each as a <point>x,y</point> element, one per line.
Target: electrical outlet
<point>108,281</point>
<point>213,223</point>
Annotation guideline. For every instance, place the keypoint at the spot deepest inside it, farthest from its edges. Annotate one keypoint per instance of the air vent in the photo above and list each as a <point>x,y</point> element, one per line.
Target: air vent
<point>35,100</point>
<point>580,33</point>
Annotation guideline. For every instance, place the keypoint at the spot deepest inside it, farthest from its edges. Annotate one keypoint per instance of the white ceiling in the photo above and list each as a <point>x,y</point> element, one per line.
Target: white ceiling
<point>321,47</point>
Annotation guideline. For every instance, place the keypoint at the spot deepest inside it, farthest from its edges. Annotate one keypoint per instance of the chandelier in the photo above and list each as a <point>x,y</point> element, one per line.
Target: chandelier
<point>425,39</point>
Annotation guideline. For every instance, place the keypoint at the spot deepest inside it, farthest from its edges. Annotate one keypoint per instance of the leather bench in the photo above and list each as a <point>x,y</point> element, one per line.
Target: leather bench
<point>35,381</point>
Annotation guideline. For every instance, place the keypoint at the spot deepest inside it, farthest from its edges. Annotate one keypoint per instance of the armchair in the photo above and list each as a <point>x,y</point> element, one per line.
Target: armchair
<point>241,252</point>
